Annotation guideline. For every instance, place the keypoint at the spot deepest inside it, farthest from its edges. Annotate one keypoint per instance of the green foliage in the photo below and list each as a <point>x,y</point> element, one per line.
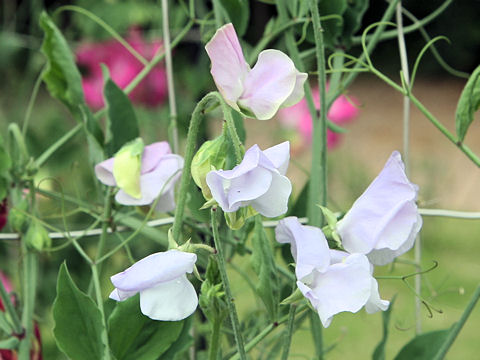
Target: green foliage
<point>379,353</point>
<point>238,13</point>
<point>134,336</point>
<point>424,346</point>
<point>5,165</point>
<point>61,75</point>
<point>263,262</point>
<point>37,236</point>
<point>182,344</point>
<point>468,104</point>
<point>78,321</point>
<point>212,294</point>
<point>122,121</point>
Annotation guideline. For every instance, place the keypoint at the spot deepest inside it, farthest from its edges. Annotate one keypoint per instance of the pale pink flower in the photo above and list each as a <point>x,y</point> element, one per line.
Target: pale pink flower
<point>342,111</point>
<point>123,67</point>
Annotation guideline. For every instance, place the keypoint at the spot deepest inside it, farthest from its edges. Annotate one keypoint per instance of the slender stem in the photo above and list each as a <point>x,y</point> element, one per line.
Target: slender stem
<point>226,284</point>
<point>30,262</point>
<point>289,331</point>
<point>173,131</point>
<point>197,116</point>
<point>106,27</point>
<point>217,13</point>
<point>31,102</point>
<point>406,157</point>
<point>450,213</point>
<point>452,335</point>
<point>57,144</point>
<point>98,294</point>
<point>7,303</point>
<point>215,339</point>
<point>232,131</point>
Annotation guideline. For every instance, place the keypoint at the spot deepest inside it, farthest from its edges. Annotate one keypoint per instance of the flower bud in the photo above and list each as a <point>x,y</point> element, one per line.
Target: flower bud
<point>211,156</point>
<point>17,217</point>
<point>37,237</point>
<point>127,166</point>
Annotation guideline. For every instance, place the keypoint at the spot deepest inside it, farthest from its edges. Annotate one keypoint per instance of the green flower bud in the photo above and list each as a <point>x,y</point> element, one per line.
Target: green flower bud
<point>17,217</point>
<point>211,156</point>
<point>127,167</point>
<point>235,220</point>
<point>37,237</point>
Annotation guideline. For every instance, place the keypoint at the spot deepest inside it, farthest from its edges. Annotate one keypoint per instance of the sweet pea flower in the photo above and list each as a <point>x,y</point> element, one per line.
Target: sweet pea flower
<point>384,221</point>
<point>342,111</point>
<point>258,181</point>
<point>123,67</point>
<point>259,92</point>
<point>158,171</point>
<point>160,278</point>
<point>332,280</point>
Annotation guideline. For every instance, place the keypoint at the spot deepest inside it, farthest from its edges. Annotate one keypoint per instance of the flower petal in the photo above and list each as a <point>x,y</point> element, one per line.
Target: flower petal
<point>384,215</point>
<point>120,295</point>
<point>229,67</point>
<point>104,172</point>
<point>374,303</point>
<point>344,286</point>
<point>270,82</point>
<point>152,154</point>
<point>308,245</point>
<point>274,202</point>
<point>154,269</point>
<point>298,91</point>
<point>160,180</point>
<point>279,155</point>
<point>169,301</point>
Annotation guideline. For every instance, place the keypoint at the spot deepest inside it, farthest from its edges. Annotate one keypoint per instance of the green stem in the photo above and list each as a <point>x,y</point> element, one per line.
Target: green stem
<point>172,127</point>
<point>373,41</point>
<point>289,331</point>
<point>215,339</point>
<point>452,335</point>
<point>10,310</point>
<point>31,102</point>
<point>106,27</point>
<point>218,15</point>
<point>57,144</point>
<point>232,130</point>
<point>98,294</point>
<point>30,263</point>
<point>226,284</point>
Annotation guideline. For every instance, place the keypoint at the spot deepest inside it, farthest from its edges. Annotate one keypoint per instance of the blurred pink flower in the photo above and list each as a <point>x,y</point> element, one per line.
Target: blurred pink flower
<point>123,68</point>
<point>298,117</point>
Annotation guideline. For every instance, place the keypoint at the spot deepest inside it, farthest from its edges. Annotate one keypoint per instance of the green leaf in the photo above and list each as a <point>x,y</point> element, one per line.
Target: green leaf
<point>182,344</point>
<point>122,121</point>
<point>61,75</point>
<point>379,353</point>
<point>352,19</point>
<point>468,104</point>
<point>238,13</point>
<point>78,322</point>
<point>134,336</point>
<point>424,346</point>
<point>263,262</point>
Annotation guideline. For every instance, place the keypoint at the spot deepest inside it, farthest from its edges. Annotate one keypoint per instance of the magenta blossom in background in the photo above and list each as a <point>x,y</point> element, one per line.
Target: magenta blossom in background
<point>341,112</point>
<point>123,67</point>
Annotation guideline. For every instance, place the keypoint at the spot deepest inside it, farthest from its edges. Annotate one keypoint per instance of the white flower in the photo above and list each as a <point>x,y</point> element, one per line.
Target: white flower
<point>384,221</point>
<point>258,181</point>
<point>160,278</point>
<point>333,281</point>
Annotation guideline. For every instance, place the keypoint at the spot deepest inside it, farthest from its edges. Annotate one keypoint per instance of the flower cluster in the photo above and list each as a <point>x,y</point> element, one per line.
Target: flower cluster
<point>381,225</point>
<point>123,67</point>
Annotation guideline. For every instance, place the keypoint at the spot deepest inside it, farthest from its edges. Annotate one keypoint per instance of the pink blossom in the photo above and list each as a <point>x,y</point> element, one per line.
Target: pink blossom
<point>123,67</point>
<point>342,111</point>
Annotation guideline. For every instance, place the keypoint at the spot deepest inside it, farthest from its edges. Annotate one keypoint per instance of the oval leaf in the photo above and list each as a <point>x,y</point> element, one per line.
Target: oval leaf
<point>78,322</point>
<point>468,104</point>
<point>424,346</point>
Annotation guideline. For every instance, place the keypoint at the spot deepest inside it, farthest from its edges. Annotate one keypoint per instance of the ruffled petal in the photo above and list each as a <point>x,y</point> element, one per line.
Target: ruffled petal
<point>104,172</point>
<point>384,215</point>
<point>229,67</point>
<point>120,295</point>
<point>374,302</point>
<point>169,301</point>
<point>274,202</point>
<point>298,91</point>
<point>344,286</point>
<point>308,245</point>
<point>152,154</point>
<point>270,82</point>
<point>279,155</point>
<point>153,270</point>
